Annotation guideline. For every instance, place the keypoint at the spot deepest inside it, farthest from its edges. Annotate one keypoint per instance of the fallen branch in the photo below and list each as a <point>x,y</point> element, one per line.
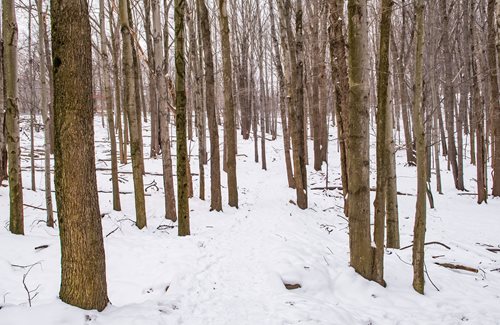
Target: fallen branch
<point>458,267</point>
<point>112,231</point>
<point>340,188</point>
<point>37,208</point>
<point>493,250</point>
<point>429,243</point>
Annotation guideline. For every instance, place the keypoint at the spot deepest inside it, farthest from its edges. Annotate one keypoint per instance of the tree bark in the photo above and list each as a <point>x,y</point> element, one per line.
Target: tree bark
<point>282,103</point>
<point>358,159</point>
<point>180,121</point>
<point>45,115</point>
<point>130,104</point>
<point>9,29</point>
<point>418,125</point>
<point>341,81</point>
<point>494,96</point>
<point>229,124</point>
<point>383,150</point>
<point>109,108</point>
<point>161,92</point>
<point>215,183</point>
<point>83,275</point>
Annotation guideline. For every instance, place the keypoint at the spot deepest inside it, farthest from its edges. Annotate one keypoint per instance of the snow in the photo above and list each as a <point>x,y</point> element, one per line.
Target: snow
<point>232,268</point>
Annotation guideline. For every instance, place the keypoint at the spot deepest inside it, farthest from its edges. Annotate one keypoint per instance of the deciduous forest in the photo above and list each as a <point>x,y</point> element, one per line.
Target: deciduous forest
<point>249,162</point>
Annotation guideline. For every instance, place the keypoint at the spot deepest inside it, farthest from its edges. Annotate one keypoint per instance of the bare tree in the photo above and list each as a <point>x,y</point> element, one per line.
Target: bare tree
<point>130,103</point>
<point>83,275</point>
<point>9,29</point>
<point>180,121</point>
<point>229,124</point>
<point>418,125</point>
<point>45,114</point>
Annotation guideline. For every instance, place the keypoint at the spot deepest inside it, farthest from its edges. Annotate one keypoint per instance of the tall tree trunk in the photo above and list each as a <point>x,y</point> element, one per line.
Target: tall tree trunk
<point>494,96</point>
<point>229,124</point>
<point>130,103</point>
<point>383,150</point>
<point>300,110</point>
<point>3,135</point>
<point>161,91</point>
<point>109,108</point>
<point>478,111</point>
<point>282,103</point>
<point>262,99</point>
<point>31,102</point>
<point>296,100</point>
<point>9,30</point>
<point>45,115</point>
<point>418,125</point>
<point>215,185</point>
<point>358,157</point>
<point>83,275</point>
<point>180,121</point>
<point>340,75</point>
<point>153,101</point>
<point>115,45</point>
<point>449,96</point>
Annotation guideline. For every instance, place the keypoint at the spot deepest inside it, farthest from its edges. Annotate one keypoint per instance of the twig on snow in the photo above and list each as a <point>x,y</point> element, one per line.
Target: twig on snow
<point>429,243</point>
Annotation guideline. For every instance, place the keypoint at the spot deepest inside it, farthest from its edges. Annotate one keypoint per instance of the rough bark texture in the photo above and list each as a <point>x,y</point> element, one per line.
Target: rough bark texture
<point>9,29</point>
<point>129,102</point>
<point>418,125</point>
<point>215,186</point>
<point>83,275</point>
<point>358,160</point>
<point>229,124</point>
<point>180,121</point>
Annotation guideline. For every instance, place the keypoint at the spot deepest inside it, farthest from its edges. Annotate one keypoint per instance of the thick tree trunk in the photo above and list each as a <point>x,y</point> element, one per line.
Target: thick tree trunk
<point>9,29</point>
<point>229,124</point>
<point>180,120</point>
<point>83,275</point>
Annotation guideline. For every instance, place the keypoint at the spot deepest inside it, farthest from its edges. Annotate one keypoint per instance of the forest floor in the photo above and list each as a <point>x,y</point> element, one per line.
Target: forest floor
<point>232,268</point>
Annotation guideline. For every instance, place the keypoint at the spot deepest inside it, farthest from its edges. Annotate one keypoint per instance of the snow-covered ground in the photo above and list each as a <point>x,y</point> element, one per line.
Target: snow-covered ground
<point>232,268</point>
